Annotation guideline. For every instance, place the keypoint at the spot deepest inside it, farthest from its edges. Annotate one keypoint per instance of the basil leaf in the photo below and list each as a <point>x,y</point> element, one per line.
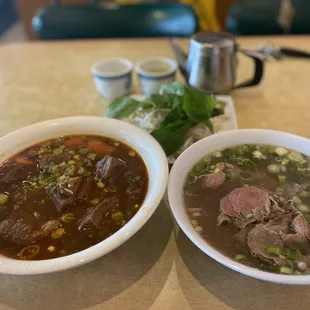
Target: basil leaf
<point>197,105</point>
<point>172,136</point>
<point>175,88</point>
<point>166,101</point>
<point>122,107</point>
<point>174,115</point>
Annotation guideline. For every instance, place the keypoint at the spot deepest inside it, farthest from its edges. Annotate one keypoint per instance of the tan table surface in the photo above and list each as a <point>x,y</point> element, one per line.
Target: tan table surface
<point>159,268</point>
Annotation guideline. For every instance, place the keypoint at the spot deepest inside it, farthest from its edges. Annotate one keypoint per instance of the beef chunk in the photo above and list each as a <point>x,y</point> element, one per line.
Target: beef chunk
<point>93,218</point>
<point>301,226</point>
<point>12,176</point>
<point>48,227</point>
<point>22,228</point>
<point>84,190</point>
<point>19,228</point>
<point>109,168</point>
<point>64,194</point>
<point>250,204</point>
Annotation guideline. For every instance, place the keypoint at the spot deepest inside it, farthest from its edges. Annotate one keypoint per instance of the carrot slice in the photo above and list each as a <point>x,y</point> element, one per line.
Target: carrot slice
<point>22,160</point>
<point>100,147</point>
<point>74,142</point>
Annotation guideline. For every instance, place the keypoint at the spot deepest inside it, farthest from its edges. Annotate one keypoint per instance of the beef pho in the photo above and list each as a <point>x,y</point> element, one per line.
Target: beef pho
<point>252,203</point>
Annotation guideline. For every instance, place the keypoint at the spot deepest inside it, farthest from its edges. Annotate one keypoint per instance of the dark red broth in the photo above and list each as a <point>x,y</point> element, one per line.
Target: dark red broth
<point>67,194</point>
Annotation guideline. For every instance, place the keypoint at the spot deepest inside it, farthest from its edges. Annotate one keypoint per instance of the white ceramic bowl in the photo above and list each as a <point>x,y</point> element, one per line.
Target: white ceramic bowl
<point>208,145</point>
<point>150,151</point>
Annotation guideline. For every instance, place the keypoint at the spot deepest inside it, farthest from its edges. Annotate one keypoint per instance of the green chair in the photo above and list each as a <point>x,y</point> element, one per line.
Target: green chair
<point>260,17</point>
<point>114,21</point>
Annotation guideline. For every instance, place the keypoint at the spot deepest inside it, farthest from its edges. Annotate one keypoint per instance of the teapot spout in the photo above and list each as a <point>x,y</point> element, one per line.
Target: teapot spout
<point>180,56</point>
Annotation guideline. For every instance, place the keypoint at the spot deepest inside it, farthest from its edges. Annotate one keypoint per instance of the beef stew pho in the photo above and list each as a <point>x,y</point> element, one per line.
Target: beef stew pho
<point>252,203</point>
<point>67,194</point>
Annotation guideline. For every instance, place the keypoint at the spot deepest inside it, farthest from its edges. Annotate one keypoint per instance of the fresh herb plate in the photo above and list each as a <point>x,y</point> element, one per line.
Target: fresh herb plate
<point>223,122</point>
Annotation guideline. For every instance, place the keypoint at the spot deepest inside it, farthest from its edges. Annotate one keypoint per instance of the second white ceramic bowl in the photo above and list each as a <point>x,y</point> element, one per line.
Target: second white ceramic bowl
<point>145,145</point>
<point>211,144</point>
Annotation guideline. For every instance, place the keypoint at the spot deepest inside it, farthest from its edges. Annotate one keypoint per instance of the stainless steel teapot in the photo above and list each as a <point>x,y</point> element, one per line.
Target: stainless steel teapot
<point>212,62</point>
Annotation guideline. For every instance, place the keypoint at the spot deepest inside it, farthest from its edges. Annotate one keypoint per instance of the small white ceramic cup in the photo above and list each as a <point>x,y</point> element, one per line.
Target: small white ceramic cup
<point>113,76</point>
<point>153,72</point>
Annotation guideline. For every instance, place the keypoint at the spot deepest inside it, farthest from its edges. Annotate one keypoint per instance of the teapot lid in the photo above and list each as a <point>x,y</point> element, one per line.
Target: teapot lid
<point>211,39</point>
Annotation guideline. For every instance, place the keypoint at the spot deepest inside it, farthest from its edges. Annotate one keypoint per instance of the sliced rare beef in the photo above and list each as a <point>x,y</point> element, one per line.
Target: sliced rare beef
<point>260,238</point>
<point>109,168</point>
<point>247,205</point>
<point>94,216</point>
<point>277,234</point>
<point>63,195</point>
<point>231,171</point>
<point>211,180</point>
<point>12,176</point>
<point>301,226</point>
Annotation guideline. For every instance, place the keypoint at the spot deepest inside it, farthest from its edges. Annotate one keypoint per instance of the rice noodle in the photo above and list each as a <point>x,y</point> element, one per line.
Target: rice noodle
<point>151,119</point>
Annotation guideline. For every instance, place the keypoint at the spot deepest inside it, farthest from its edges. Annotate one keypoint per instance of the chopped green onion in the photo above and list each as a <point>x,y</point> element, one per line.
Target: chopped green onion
<point>29,251</point>
<point>3,198</point>
<point>58,233</point>
<point>132,153</point>
<point>100,184</point>
<point>273,251</point>
<point>285,161</point>
<point>136,206</point>
<point>257,154</point>
<point>281,151</point>
<point>282,178</point>
<point>286,270</point>
<point>95,201</point>
<point>91,155</point>
<point>274,168</point>
<point>239,257</point>
<point>304,208</point>
<point>76,156</point>
<point>199,229</point>
<point>194,223</point>
<point>68,217</point>
<point>83,151</point>
<point>51,248</point>
<point>290,254</point>
<point>296,200</point>
<point>297,272</point>
<point>117,216</point>
<point>295,156</point>
<point>216,170</point>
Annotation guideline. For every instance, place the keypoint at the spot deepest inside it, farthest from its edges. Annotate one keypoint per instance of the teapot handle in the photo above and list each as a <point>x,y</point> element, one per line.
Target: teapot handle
<point>259,68</point>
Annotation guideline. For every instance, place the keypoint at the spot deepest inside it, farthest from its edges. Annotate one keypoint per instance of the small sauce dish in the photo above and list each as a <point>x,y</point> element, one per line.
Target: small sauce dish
<point>113,77</point>
<point>153,72</point>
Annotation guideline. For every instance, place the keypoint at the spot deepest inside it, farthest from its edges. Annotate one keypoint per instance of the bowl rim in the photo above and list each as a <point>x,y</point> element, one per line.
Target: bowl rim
<point>153,196</point>
<point>176,203</point>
